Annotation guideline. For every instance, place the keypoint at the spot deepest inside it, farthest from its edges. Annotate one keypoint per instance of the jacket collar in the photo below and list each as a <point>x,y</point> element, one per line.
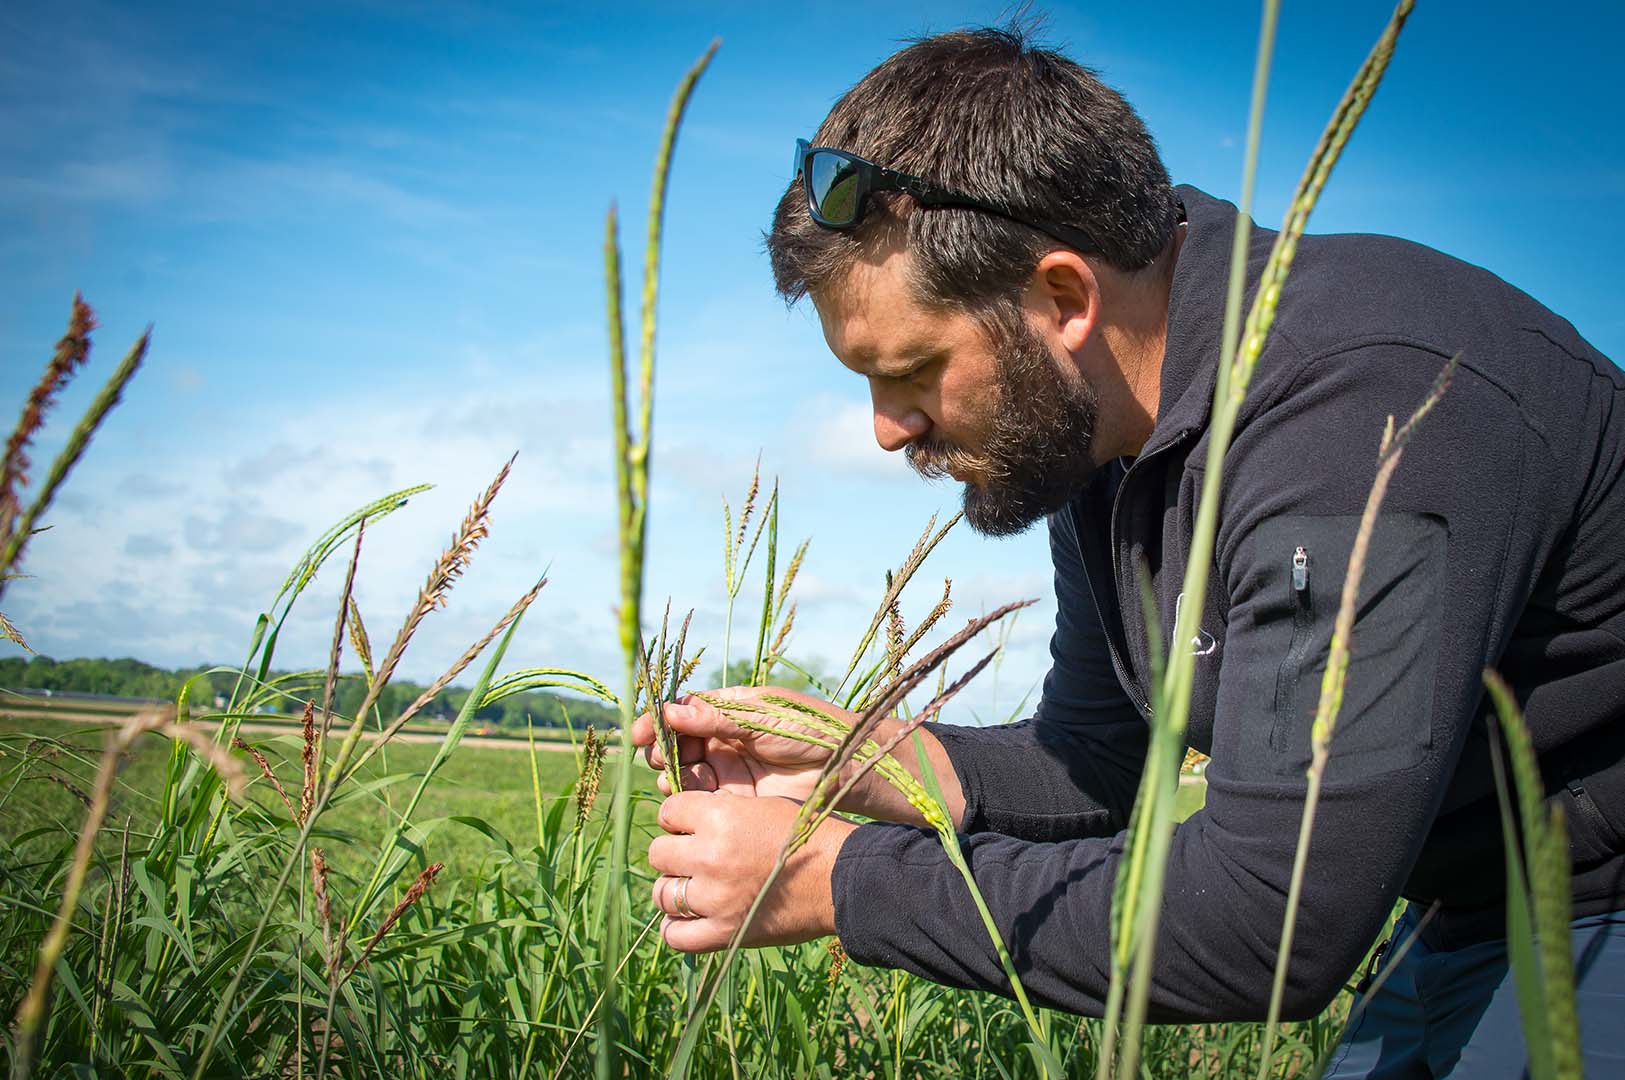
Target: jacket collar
<point>1190,361</point>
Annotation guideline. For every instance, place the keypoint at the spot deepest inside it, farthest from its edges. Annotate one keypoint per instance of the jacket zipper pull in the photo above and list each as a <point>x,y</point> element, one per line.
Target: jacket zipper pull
<point>1300,570</point>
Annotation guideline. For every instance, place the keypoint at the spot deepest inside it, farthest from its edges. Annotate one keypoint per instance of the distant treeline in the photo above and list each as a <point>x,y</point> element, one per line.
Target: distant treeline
<point>135,679</point>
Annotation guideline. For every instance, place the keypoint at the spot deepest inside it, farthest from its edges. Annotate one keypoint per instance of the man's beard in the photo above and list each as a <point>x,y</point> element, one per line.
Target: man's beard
<point>1035,457</point>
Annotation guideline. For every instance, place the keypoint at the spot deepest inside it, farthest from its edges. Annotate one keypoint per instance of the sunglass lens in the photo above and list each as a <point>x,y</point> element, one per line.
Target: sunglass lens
<point>833,186</point>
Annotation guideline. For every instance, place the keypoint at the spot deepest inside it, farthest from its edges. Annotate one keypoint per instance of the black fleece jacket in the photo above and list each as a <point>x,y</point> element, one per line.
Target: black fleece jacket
<point>1501,544</point>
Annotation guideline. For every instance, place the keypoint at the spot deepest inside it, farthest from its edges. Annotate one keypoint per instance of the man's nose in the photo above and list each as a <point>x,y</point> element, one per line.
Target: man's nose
<point>896,422</point>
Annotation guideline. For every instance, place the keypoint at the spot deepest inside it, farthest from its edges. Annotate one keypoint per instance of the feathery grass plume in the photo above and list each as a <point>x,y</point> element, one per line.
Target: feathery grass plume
<point>837,959</point>
<point>1238,357</point>
<point>413,894</point>
<point>265,770</point>
<point>1538,894</point>
<point>21,525</point>
<point>433,690</point>
<point>324,907</point>
<point>9,631</point>
<point>790,573</point>
<point>255,669</point>
<point>668,691</point>
<point>775,652</point>
<point>307,756</point>
<point>338,771</point>
<point>70,787</point>
<point>360,644</point>
<point>922,549</point>
<point>689,667</point>
<point>757,671</point>
<point>633,451</point>
<point>933,617</point>
<point>1332,683</point>
<point>336,651</point>
<point>447,569</point>
<point>734,567</point>
<point>590,775</point>
<point>71,352</point>
<point>895,632</point>
<point>31,1012</point>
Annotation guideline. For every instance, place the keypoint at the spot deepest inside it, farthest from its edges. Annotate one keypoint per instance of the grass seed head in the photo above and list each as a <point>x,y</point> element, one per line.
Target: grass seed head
<point>592,769</point>
<point>265,771</point>
<point>307,792</point>
<point>413,894</point>
<point>70,355</point>
<point>837,959</point>
<point>324,904</point>
<point>9,631</point>
<point>69,786</point>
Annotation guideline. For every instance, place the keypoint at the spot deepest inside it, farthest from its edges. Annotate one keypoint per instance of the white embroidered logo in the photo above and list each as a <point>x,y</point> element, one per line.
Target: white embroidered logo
<point>1204,643</point>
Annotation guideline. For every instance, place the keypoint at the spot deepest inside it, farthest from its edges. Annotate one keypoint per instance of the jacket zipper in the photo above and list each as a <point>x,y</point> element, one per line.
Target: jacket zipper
<point>1131,686</point>
<point>1303,618</point>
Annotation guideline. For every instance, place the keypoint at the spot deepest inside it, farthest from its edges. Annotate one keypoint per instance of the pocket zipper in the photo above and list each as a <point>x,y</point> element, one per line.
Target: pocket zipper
<point>1303,618</point>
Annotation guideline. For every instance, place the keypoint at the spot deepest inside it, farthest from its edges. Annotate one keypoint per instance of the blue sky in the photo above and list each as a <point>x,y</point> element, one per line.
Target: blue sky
<point>369,238</point>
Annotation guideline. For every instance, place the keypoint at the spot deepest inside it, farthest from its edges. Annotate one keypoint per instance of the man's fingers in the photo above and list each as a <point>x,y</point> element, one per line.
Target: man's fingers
<point>694,935</point>
<point>701,777</point>
<point>686,811</point>
<point>643,731</point>
<point>690,748</point>
<point>673,854</point>
<point>699,719</point>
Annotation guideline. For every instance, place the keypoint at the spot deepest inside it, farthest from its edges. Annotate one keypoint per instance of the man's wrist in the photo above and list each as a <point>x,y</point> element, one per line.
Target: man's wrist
<point>875,797</point>
<point>826,846</point>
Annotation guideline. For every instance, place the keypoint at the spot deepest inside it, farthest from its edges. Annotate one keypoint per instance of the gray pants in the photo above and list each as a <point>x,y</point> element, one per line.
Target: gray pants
<point>1455,1013</point>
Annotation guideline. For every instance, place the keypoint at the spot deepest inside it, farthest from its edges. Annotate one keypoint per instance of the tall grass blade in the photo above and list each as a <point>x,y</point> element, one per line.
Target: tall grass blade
<point>632,458</point>
<point>1538,897</point>
<point>1171,701</point>
<point>1332,683</point>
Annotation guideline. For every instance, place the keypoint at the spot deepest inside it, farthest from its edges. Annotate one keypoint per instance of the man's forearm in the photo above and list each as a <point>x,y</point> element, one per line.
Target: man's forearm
<point>875,798</point>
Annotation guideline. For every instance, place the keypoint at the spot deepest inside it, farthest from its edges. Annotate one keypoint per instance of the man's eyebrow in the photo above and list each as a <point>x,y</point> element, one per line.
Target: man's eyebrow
<point>908,358</point>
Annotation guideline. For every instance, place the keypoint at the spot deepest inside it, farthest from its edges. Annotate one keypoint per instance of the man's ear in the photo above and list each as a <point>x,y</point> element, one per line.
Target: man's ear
<point>1065,294</point>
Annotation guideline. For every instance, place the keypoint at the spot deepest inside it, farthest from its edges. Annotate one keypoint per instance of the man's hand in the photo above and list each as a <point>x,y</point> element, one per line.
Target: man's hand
<point>718,755</point>
<point>718,853</point>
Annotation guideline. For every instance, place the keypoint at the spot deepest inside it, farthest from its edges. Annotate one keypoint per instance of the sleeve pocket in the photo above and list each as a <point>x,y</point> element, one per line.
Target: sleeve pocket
<point>1386,719</point>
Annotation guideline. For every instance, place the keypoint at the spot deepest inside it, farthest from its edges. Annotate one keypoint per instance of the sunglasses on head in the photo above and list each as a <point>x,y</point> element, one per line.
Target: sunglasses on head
<point>838,184</point>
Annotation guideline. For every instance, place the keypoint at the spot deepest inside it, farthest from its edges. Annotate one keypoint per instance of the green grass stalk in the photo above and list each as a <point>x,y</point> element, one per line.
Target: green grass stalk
<point>1332,683</point>
<point>1171,704</point>
<point>632,459</point>
<point>950,843</point>
<point>1538,897</point>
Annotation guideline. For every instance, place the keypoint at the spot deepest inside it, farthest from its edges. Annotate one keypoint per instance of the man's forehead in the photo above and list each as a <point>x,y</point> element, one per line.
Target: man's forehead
<point>873,310</point>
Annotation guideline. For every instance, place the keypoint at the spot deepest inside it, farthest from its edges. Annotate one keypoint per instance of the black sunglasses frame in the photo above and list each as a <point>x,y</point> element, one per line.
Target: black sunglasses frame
<point>873,178</point>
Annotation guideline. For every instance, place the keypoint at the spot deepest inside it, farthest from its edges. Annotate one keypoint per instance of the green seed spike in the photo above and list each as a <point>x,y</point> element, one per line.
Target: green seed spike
<point>1147,858</point>
<point>632,460</point>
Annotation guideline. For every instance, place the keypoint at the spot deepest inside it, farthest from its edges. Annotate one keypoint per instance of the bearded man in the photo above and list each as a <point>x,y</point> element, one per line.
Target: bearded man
<point>992,242</point>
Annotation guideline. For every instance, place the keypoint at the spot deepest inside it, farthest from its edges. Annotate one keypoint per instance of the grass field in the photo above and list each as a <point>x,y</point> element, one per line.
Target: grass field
<point>490,783</point>
<point>484,782</point>
<point>523,990</point>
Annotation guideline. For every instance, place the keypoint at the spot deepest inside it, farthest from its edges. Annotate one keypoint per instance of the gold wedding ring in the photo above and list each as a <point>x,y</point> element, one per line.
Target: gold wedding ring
<point>681,901</point>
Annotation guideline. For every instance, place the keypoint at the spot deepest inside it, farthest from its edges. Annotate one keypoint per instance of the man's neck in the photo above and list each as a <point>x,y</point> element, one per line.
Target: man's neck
<point>1134,338</point>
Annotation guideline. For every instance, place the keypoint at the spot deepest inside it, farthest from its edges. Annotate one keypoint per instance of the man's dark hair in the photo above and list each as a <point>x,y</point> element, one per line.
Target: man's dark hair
<point>986,113</point>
